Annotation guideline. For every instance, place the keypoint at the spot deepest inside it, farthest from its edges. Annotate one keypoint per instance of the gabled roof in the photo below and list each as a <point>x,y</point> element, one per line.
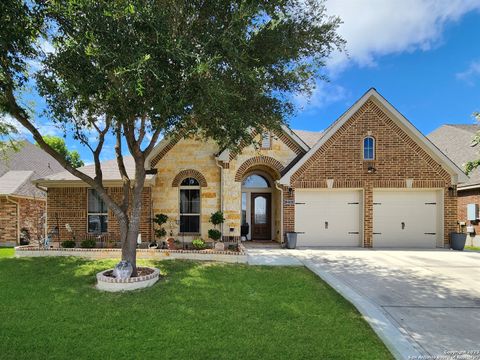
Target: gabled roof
<point>18,183</point>
<point>109,170</point>
<point>29,158</point>
<point>455,140</point>
<point>309,137</point>
<point>372,94</point>
<point>224,154</point>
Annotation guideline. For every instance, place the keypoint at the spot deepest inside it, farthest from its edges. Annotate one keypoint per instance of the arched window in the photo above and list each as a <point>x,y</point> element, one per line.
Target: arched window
<point>190,206</point>
<point>369,148</point>
<point>255,181</point>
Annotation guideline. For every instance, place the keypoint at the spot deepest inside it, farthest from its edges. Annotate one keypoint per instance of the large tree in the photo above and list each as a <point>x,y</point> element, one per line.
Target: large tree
<point>140,69</point>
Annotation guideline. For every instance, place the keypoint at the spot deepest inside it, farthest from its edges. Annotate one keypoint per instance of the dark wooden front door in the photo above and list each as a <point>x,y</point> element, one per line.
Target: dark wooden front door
<point>261,216</point>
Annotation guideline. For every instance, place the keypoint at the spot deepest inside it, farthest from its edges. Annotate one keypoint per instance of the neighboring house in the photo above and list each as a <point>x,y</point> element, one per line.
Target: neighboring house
<point>22,204</point>
<point>371,179</point>
<point>456,141</point>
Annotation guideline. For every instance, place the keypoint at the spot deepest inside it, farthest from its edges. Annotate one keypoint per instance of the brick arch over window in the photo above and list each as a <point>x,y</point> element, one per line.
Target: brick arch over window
<point>189,173</point>
<point>256,163</point>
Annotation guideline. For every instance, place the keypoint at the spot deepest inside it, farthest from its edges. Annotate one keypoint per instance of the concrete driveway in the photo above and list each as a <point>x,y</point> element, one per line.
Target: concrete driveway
<point>432,297</point>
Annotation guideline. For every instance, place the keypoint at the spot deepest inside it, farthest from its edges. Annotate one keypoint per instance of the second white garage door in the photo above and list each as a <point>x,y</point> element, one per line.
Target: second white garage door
<point>407,218</point>
<point>328,218</point>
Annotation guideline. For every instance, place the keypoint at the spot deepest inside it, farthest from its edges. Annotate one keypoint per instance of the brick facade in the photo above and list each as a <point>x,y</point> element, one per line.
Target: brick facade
<point>69,206</point>
<point>398,158</point>
<point>18,213</point>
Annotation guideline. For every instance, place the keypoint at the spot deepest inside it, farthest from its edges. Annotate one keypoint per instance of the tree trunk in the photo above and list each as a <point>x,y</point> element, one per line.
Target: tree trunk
<point>130,229</point>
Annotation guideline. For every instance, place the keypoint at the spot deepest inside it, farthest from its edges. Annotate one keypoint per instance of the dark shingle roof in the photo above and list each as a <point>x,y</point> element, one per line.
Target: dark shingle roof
<point>19,168</point>
<point>455,141</point>
<point>30,158</point>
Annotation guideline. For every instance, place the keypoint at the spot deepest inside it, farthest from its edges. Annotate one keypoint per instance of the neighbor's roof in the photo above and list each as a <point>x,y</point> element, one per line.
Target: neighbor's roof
<point>29,158</point>
<point>109,170</point>
<point>19,168</point>
<point>18,183</point>
<point>407,126</point>
<point>455,140</point>
<point>309,137</point>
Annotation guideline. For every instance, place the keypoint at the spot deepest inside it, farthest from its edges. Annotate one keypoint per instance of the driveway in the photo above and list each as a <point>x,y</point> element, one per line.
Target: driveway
<point>431,296</point>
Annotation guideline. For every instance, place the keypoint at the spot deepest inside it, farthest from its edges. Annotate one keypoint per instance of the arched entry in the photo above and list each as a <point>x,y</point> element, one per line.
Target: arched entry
<point>257,217</point>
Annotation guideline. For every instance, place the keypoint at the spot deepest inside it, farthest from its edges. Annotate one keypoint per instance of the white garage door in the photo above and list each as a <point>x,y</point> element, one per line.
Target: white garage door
<point>328,218</point>
<point>406,218</point>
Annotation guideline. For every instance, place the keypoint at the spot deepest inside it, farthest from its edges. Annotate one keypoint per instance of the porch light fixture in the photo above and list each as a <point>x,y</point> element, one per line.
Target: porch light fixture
<point>371,170</point>
<point>451,191</point>
<point>290,190</point>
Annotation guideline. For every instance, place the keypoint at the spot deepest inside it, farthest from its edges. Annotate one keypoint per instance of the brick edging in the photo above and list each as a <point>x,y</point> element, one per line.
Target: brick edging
<point>207,252</point>
<point>108,279</point>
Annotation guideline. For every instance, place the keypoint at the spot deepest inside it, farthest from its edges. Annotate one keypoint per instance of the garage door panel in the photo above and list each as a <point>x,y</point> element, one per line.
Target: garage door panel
<point>405,219</point>
<point>328,218</point>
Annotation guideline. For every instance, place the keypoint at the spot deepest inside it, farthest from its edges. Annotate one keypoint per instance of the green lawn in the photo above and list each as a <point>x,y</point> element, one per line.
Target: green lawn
<point>474,248</point>
<point>50,309</point>
<point>6,252</point>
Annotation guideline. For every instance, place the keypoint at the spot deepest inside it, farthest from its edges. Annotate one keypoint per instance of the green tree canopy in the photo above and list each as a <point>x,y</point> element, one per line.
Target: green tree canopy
<point>141,68</point>
<point>58,144</point>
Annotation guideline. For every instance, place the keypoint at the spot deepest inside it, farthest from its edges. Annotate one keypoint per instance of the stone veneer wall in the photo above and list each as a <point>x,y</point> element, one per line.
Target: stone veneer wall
<point>69,204</point>
<point>29,213</point>
<point>191,157</point>
<point>398,157</point>
<point>271,161</point>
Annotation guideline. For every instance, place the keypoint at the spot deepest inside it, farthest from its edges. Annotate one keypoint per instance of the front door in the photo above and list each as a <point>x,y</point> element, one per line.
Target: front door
<point>261,216</point>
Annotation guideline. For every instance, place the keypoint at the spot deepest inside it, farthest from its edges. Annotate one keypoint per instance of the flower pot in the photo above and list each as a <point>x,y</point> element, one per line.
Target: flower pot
<point>457,240</point>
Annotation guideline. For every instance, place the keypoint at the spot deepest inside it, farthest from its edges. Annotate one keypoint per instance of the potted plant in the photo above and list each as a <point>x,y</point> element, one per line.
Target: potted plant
<point>160,231</point>
<point>24,236</point>
<point>458,239</point>
<point>216,235</point>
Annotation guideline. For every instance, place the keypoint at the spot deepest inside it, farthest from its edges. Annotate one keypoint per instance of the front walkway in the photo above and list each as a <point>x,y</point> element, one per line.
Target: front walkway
<point>420,302</point>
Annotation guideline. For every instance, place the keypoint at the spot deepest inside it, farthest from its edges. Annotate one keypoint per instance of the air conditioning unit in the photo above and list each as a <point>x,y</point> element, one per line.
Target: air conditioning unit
<point>472,212</point>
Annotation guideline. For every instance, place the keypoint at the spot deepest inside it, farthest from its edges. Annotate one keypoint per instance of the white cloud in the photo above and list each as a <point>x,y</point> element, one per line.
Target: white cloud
<point>374,28</point>
<point>44,128</point>
<point>470,74</point>
<point>324,94</point>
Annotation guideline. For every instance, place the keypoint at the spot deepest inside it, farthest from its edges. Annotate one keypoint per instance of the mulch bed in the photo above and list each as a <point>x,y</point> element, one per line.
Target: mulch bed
<point>141,271</point>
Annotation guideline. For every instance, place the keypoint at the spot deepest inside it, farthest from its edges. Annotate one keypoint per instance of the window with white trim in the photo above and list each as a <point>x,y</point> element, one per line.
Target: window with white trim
<point>266,140</point>
<point>97,217</point>
<point>369,148</point>
<point>190,206</point>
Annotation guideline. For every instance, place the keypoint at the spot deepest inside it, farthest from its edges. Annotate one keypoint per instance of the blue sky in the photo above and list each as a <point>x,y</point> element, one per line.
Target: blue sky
<point>422,55</point>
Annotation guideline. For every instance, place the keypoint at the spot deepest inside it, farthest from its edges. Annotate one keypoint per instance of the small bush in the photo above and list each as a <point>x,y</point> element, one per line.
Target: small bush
<point>217,218</point>
<point>233,247</point>
<point>214,234</point>
<point>88,244</point>
<point>68,244</point>
<point>199,244</point>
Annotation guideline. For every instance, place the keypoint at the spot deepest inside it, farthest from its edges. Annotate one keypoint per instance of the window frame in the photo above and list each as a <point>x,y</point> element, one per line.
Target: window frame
<point>373,148</point>
<point>96,214</point>
<point>199,214</point>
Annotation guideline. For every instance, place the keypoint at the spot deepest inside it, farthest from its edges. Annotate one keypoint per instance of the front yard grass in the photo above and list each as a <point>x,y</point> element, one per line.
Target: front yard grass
<point>50,309</point>
<point>473,248</point>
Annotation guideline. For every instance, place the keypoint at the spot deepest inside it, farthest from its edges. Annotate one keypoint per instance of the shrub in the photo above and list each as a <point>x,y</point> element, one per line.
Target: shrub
<point>68,244</point>
<point>199,244</point>
<point>88,244</point>
<point>214,234</point>
<point>233,247</point>
<point>217,218</point>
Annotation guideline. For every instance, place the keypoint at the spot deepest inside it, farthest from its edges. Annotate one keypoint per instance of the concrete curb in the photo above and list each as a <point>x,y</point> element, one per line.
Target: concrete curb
<point>398,343</point>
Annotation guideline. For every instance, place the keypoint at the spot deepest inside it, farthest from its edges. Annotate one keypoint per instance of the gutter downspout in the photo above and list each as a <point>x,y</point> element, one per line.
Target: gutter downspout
<point>18,217</point>
<point>221,192</point>
<point>281,211</point>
